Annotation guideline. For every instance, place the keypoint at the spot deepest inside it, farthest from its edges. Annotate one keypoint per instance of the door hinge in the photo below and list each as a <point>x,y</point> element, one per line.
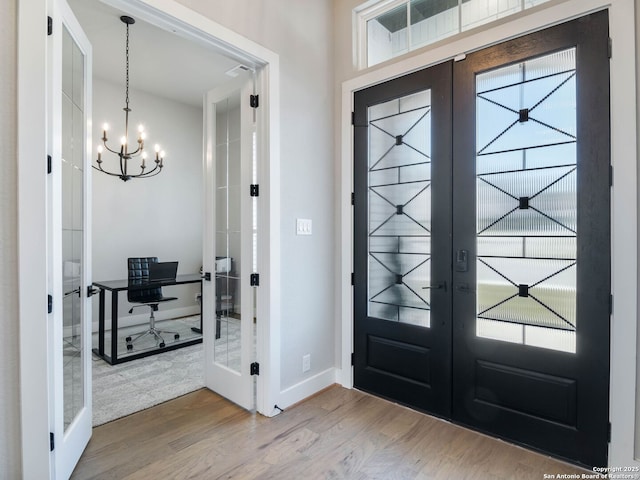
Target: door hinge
<point>353,118</point>
<point>353,359</point>
<point>255,368</point>
<point>611,175</point>
<point>353,279</point>
<point>48,163</point>
<point>459,58</point>
<point>254,190</point>
<point>254,101</point>
<point>49,26</point>
<point>207,276</point>
<point>610,304</point>
<point>91,291</point>
<point>609,433</point>
<point>610,47</point>
<point>52,443</point>
<point>255,280</point>
<point>49,304</point>
<point>353,198</point>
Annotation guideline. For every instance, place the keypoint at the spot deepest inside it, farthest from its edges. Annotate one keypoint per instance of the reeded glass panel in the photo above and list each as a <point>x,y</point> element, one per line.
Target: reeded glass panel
<point>73,151</point>
<point>526,202</point>
<point>227,345</point>
<point>399,195</point>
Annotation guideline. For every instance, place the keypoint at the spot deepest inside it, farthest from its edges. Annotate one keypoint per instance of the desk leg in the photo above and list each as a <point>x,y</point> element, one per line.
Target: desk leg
<point>101,323</point>
<point>195,329</point>
<point>114,327</point>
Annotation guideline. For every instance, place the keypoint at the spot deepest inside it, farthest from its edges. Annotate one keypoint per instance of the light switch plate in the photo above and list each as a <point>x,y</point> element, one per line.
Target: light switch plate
<point>303,226</point>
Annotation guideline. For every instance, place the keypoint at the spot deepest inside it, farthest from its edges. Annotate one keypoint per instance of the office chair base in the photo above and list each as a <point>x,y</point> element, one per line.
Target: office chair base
<point>154,332</point>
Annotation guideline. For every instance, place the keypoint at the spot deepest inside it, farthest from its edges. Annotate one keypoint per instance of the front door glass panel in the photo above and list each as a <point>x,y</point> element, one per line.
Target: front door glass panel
<point>526,202</point>
<point>399,218</point>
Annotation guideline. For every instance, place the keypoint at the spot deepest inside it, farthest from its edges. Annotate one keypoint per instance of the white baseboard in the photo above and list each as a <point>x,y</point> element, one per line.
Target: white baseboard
<point>306,388</point>
<point>143,318</point>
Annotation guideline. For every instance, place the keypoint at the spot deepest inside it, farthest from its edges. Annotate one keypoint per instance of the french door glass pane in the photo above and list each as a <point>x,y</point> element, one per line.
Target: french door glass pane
<point>227,345</point>
<point>73,148</point>
<point>527,202</point>
<point>399,217</point>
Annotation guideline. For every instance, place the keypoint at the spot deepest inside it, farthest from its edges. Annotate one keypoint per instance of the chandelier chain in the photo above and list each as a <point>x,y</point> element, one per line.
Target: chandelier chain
<point>127,55</point>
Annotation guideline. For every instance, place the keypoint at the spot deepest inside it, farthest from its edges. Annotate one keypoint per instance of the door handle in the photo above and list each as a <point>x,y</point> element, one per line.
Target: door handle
<point>462,261</point>
<point>437,286</point>
<point>71,292</point>
<point>91,291</point>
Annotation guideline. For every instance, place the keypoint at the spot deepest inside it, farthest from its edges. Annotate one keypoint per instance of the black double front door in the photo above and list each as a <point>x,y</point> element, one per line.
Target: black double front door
<point>482,240</point>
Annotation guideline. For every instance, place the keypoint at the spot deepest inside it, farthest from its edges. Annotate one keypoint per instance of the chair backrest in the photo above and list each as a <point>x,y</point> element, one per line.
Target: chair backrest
<point>139,275</point>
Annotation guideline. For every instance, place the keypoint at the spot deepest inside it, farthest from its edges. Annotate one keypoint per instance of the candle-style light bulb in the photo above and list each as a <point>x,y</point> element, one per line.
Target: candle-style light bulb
<point>123,141</point>
<point>144,158</point>
<point>100,153</point>
<point>105,129</point>
<point>157,148</point>
<point>140,128</point>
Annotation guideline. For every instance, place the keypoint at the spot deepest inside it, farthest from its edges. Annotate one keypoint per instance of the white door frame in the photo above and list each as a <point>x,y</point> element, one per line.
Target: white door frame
<point>624,206</point>
<point>32,206</point>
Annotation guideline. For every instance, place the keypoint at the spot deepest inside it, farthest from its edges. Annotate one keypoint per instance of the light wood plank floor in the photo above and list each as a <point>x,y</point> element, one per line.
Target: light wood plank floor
<point>336,434</point>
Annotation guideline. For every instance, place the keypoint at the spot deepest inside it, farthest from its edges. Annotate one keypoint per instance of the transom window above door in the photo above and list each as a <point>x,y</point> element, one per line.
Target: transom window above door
<point>389,28</point>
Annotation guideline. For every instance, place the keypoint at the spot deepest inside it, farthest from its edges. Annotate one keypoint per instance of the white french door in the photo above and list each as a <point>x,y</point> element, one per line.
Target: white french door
<point>230,240</point>
<point>69,242</point>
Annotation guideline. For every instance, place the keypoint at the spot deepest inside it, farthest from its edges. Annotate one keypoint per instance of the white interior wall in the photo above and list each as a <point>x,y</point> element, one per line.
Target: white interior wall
<point>159,216</point>
<point>301,34</point>
<point>9,355</point>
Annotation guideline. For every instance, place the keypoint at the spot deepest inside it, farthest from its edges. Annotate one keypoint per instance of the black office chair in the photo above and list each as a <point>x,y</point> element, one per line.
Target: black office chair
<point>146,297</point>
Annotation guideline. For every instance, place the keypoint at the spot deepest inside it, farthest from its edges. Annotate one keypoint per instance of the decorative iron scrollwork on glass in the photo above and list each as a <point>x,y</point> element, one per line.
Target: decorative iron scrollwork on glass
<point>526,189</point>
<point>400,209</point>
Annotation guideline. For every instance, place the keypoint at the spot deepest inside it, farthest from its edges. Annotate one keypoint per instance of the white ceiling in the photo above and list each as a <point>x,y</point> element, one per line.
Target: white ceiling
<point>160,62</point>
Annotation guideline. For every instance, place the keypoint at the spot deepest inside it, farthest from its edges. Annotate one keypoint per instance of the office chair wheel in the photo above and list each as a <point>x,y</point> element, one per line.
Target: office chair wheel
<point>129,347</point>
<point>176,336</point>
<point>162,345</point>
<point>128,339</point>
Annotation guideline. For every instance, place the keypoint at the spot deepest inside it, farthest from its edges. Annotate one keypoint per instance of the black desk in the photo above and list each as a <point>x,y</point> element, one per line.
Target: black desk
<point>117,286</point>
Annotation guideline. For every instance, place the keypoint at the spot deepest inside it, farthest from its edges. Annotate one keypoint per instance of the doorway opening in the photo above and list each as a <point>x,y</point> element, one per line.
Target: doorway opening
<point>171,105</point>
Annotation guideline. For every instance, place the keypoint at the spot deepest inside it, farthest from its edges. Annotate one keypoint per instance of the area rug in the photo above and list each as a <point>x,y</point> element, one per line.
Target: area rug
<point>126,388</point>
<point>120,390</point>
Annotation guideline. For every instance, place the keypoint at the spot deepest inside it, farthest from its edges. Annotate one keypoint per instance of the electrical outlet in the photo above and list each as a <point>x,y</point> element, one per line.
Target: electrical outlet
<point>306,362</point>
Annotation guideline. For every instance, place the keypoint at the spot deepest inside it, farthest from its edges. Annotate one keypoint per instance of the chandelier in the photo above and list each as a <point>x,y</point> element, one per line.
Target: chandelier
<point>123,152</point>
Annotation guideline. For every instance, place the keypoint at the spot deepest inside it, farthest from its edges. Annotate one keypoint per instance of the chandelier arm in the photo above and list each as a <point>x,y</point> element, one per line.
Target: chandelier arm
<point>136,152</point>
<point>107,172</point>
<point>149,172</point>
<point>112,151</point>
<point>147,175</point>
